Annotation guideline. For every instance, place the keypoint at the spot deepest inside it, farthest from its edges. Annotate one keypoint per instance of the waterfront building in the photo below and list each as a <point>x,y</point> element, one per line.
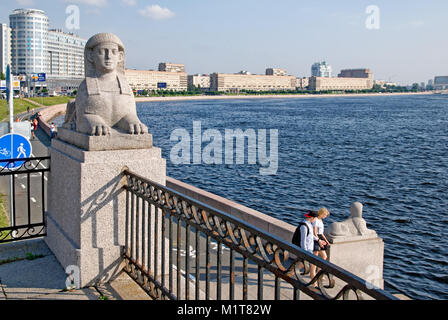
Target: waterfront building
<point>340,84</point>
<point>441,83</point>
<point>152,80</point>
<point>29,30</point>
<point>5,47</point>
<point>321,69</point>
<point>356,73</point>
<point>383,83</point>
<point>199,81</point>
<point>303,83</point>
<point>226,82</point>
<point>37,49</point>
<point>275,72</point>
<point>171,67</point>
<point>65,59</point>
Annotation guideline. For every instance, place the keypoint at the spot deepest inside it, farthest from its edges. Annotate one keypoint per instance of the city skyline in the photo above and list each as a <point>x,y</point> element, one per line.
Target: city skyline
<point>407,47</point>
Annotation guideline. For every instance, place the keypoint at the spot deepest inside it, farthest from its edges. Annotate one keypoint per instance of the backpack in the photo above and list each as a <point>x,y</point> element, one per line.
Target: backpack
<point>297,234</point>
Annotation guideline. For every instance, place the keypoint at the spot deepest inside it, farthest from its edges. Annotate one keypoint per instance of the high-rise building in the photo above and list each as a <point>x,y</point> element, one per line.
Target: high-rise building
<point>321,69</point>
<point>65,59</point>
<point>29,29</point>
<point>171,67</point>
<point>37,49</point>
<point>5,47</point>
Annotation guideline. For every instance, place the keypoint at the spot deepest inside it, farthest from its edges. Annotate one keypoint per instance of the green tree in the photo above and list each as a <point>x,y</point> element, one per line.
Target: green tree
<point>2,76</point>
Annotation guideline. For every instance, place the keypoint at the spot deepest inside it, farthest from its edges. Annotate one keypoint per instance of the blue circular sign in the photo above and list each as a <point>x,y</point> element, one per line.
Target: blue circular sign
<point>14,146</point>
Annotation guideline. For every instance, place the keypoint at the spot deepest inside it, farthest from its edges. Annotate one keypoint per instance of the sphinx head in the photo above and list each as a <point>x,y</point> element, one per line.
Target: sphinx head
<point>104,53</point>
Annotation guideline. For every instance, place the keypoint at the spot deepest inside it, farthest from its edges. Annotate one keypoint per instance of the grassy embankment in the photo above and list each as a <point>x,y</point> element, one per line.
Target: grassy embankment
<point>4,222</point>
<point>20,105</point>
<point>52,101</point>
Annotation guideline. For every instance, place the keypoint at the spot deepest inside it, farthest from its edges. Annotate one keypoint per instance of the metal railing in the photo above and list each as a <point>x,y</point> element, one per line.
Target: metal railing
<point>176,247</point>
<point>27,180</point>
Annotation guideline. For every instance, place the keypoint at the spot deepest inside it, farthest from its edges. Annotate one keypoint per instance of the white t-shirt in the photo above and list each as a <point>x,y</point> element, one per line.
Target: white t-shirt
<point>319,224</point>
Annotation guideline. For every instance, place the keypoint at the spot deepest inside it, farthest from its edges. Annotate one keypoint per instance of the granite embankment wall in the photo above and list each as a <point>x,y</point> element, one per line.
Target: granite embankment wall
<point>45,115</point>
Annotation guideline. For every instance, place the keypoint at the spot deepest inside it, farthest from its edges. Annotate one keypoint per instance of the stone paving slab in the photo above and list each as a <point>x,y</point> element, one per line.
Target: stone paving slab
<point>43,278</point>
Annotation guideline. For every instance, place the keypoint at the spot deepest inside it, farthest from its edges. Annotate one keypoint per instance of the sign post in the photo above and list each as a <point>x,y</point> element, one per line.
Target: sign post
<point>14,146</point>
<point>10,97</point>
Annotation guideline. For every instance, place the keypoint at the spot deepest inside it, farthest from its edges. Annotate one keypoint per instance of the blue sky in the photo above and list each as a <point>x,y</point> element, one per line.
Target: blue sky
<point>228,36</point>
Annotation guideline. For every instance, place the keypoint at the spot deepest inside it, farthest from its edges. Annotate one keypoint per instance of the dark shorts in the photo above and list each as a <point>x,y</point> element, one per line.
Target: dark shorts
<point>317,247</point>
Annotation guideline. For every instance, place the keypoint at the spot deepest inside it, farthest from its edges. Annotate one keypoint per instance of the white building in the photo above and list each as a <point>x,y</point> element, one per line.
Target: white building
<point>199,81</point>
<point>5,47</point>
<point>37,49</point>
<point>29,29</point>
<point>321,69</point>
<point>65,59</point>
<point>226,82</point>
<point>156,80</point>
<point>302,83</point>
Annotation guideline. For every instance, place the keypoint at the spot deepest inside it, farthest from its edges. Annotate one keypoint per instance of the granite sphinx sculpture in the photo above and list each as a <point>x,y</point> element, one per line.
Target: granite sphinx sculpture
<point>354,226</point>
<point>104,102</point>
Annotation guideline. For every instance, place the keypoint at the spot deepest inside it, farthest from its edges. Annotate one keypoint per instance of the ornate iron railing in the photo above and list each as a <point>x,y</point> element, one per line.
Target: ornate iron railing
<point>27,180</point>
<point>162,257</point>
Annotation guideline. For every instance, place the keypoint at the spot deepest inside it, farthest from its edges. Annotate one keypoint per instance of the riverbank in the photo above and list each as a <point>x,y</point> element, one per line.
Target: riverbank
<point>48,113</point>
<point>273,96</point>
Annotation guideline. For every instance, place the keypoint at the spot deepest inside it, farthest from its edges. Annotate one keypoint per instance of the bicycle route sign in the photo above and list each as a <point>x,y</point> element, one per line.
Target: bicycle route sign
<point>14,146</point>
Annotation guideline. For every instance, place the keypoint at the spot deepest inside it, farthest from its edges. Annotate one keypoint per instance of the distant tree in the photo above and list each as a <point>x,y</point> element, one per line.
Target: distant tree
<point>2,76</point>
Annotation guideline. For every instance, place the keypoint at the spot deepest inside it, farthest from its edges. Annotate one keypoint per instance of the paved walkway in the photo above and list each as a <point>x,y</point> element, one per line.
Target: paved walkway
<point>28,270</point>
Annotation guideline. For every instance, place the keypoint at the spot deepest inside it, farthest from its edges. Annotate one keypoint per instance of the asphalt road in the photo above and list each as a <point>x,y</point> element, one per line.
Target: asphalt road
<point>28,190</point>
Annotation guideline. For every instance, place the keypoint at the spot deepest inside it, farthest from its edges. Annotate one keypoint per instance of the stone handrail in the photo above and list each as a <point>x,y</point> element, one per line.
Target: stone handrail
<point>260,220</point>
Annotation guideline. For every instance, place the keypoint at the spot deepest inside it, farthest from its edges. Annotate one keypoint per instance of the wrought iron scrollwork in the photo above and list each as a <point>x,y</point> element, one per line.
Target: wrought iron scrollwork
<point>37,164</point>
<point>284,260</point>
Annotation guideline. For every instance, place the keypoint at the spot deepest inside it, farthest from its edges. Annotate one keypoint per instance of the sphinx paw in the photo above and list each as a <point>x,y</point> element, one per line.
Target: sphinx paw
<point>100,130</point>
<point>137,128</point>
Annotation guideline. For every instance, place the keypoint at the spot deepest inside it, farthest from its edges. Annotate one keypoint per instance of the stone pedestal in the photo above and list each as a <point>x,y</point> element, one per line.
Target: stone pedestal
<point>362,257</point>
<point>356,248</point>
<point>87,207</point>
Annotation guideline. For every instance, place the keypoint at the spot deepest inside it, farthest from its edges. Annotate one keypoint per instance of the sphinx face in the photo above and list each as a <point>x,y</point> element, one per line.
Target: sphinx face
<point>106,57</point>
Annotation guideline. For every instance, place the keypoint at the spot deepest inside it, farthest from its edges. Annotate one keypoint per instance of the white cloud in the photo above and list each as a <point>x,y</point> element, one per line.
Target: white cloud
<point>25,3</point>
<point>156,12</point>
<point>96,3</point>
<point>129,3</point>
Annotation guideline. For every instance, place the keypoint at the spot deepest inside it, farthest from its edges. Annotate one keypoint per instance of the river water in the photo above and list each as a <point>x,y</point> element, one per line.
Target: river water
<point>390,153</point>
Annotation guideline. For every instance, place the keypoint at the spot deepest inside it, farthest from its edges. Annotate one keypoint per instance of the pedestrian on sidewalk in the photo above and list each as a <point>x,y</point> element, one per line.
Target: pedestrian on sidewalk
<point>32,130</point>
<point>321,244</point>
<point>52,130</point>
